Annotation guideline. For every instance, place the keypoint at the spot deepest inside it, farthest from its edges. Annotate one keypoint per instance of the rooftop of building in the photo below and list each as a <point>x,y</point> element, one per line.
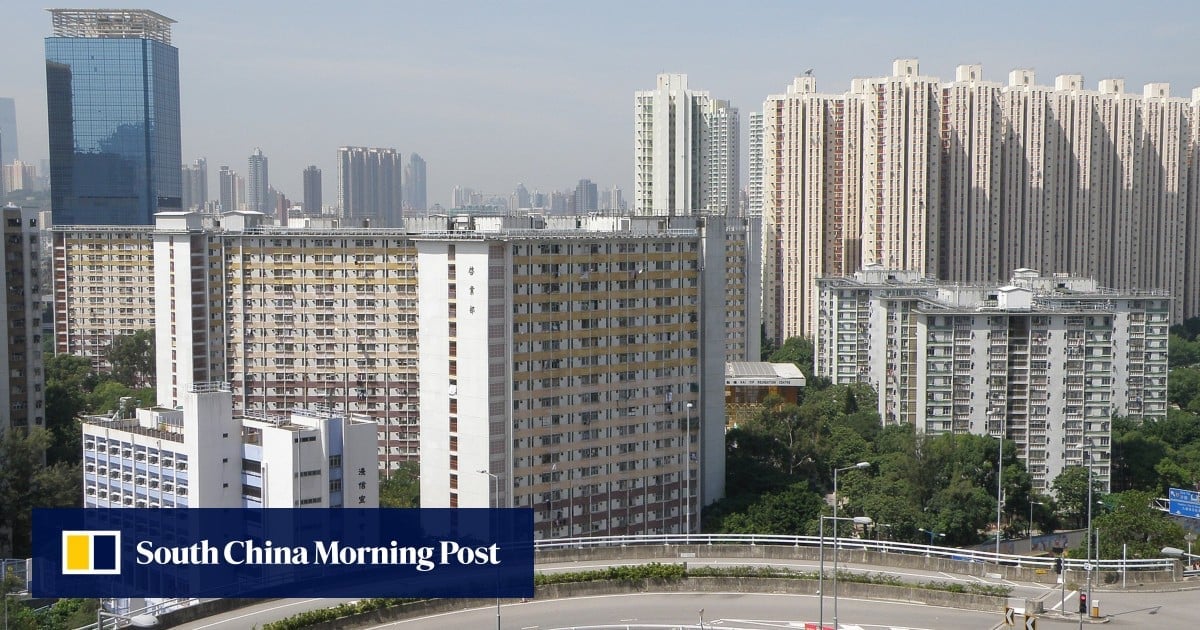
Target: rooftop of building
<point>761,373</point>
<point>111,24</point>
<point>1056,292</point>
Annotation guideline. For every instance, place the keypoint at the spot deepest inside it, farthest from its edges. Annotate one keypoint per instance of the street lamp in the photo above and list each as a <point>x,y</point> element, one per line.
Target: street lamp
<point>859,465</point>
<point>137,621</point>
<point>931,535</point>
<point>1030,532</point>
<point>494,480</point>
<point>688,489</point>
<point>999,487</point>
<point>1176,552</point>
<point>857,520</point>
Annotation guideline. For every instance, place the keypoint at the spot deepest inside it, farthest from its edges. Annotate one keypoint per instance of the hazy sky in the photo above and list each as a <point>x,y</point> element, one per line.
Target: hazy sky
<point>495,93</point>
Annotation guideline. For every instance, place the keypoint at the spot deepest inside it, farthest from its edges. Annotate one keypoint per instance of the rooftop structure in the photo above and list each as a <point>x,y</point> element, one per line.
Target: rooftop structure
<point>112,24</point>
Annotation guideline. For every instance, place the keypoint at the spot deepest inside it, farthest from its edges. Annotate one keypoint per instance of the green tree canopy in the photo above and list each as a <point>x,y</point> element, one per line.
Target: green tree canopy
<point>1130,520</point>
<point>1071,491</point>
<point>798,350</point>
<point>132,358</point>
<point>402,488</point>
<point>26,483</point>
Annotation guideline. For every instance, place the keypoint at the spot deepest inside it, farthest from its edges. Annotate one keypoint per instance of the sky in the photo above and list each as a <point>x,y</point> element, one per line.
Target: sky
<point>541,92</point>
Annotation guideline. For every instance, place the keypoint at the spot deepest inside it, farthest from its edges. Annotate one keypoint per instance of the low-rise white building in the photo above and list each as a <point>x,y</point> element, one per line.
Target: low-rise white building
<point>201,455</point>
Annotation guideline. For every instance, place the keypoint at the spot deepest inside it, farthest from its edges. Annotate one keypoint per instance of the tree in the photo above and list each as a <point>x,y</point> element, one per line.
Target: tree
<point>789,511</point>
<point>1183,386</point>
<point>402,488</point>
<point>72,372</point>
<point>1133,522</point>
<point>796,350</point>
<point>1071,489</point>
<point>132,358</point>
<point>25,483</point>
<point>106,397</point>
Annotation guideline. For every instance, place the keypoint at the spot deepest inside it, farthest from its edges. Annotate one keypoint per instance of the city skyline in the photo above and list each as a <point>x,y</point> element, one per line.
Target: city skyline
<point>534,78</point>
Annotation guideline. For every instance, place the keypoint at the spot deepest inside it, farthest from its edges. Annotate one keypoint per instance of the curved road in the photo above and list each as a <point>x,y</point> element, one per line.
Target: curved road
<point>1180,610</point>
<point>722,611</point>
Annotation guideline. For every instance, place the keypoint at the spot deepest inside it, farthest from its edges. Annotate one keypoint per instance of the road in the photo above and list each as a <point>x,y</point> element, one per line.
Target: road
<point>722,611</point>
<point>912,576</point>
<point>1179,610</point>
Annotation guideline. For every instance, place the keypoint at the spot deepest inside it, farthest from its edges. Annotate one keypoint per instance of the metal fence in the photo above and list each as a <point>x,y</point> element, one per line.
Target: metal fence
<point>881,546</point>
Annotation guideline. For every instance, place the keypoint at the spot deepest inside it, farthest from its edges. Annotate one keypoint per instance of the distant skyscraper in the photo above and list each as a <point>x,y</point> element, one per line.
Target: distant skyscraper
<point>586,199</point>
<point>520,197</point>
<point>755,194</point>
<point>195,185</point>
<point>257,184</point>
<point>8,131</point>
<point>460,197</point>
<point>685,150</point>
<point>112,95</point>
<point>369,182</point>
<point>231,190</point>
<point>415,186</point>
<point>312,189</point>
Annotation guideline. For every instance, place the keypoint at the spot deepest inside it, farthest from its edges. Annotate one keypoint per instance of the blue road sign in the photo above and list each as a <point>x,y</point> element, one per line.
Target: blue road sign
<point>1184,502</point>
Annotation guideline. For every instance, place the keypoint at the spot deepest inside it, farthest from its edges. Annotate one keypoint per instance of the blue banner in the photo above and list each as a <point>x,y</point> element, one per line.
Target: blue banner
<point>282,553</point>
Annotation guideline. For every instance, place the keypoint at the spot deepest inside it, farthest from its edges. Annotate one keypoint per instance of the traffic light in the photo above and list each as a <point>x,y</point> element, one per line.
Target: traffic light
<point>1058,565</point>
<point>1083,603</point>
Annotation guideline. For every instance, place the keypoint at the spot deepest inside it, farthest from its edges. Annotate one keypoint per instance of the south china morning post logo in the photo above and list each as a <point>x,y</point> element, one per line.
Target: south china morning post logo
<point>91,552</point>
<point>210,552</point>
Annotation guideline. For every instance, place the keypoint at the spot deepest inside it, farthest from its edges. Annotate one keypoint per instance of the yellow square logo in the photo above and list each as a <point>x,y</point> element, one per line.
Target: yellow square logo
<point>91,552</point>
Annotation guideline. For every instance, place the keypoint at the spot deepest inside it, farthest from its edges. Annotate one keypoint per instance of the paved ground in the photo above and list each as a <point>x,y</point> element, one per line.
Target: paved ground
<point>722,611</point>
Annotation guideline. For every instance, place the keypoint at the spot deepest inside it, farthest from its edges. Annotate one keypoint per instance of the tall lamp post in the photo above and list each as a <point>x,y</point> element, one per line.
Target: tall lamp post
<point>857,520</point>
<point>687,435</point>
<point>1031,504</point>
<point>859,465</point>
<point>494,486</point>
<point>1087,457</point>
<point>999,487</point>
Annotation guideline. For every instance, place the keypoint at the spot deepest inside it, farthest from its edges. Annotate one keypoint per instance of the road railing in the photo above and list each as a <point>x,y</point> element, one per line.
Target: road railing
<point>880,546</point>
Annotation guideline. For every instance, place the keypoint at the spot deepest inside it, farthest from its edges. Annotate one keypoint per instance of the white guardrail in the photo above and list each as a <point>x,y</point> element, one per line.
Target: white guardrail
<point>882,546</point>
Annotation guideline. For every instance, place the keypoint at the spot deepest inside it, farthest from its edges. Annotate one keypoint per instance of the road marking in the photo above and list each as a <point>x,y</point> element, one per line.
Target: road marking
<point>251,614</point>
<point>1067,597</point>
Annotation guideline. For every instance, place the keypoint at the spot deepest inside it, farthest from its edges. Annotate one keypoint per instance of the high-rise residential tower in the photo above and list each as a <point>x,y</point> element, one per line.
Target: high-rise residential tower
<point>586,197</point>
<point>312,190</point>
<point>964,179</point>
<point>369,186</point>
<point>258,185</point>
<point>112,96</point>
<point>232,186</point>
<point>1045,361</point>
<point>21,396</point>
<point>686,148</point>
<point>195,185</point>
<point>415,183</point>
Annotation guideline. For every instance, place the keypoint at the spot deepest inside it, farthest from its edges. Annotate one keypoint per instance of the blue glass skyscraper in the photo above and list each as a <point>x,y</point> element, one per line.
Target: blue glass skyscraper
<point>112,92</point>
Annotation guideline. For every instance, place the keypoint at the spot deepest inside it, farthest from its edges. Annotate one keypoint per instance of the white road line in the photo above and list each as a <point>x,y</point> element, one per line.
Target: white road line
<point>1068,597</point>
<point>251,614</point>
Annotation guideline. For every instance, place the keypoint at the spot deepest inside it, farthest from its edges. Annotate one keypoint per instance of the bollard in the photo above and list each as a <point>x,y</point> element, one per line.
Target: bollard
<point>1095,609</point>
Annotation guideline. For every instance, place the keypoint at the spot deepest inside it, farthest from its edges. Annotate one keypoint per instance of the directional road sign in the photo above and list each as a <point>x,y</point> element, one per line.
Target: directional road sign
<point>1030,622</point>
<point>1184,502</point>
<point>1008,616</point>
